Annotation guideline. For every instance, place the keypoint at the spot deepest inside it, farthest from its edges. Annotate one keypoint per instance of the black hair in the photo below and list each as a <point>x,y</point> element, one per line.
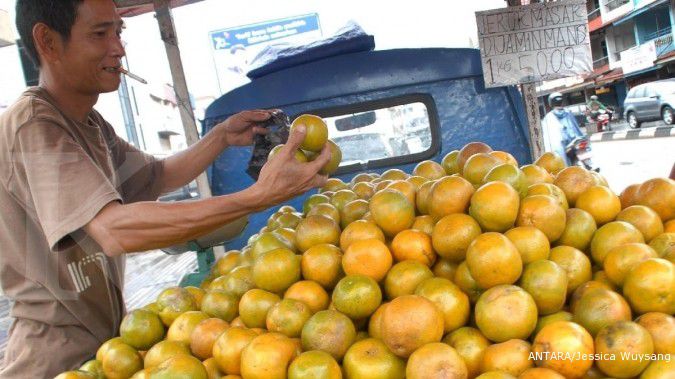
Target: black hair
<point>59,15</point>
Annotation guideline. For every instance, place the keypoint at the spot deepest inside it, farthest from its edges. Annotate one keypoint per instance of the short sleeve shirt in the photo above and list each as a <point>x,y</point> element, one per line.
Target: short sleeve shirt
<point>56,174</point>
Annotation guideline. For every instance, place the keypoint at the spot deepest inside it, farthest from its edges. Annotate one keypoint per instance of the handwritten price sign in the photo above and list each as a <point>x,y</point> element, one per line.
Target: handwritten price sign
<point>534,42</point>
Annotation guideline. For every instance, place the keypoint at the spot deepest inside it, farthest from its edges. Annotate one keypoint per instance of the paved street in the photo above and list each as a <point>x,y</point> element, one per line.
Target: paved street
<point>627,161</point>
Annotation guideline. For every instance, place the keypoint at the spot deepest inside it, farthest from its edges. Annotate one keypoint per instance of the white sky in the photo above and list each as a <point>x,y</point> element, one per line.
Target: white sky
<point>395,24</point>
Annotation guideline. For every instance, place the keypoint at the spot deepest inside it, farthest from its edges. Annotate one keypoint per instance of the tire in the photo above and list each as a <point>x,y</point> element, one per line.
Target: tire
<point>667,115</point>
<point>633,122</point>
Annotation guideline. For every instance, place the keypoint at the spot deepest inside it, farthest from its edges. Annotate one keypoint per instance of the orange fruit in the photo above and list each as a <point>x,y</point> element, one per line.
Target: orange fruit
<point>493,260</point>
<point>505,157</point>
<point>392,211</point>
<point>403,278</point>
<point>236,283</point>
<point>353,211</point>
<point>298,154</point>
<point>424,223</point>
<point>466,282</point>
<point>226,263</point>
<point>512,356</point>
<point>322,264</point>
<point>394,174</point>
<point>313,200</point>
<point>212,370</point>
<point>659,369</point>
<point>269,241</point>
<point>316,230</point>
<point>449,195</point>
<point>382,184</point>
<point>359,178</point>
<point>600,307</point>
<point>663,243</point>
<point>650,287</point>
<point>174,301</point>
<point>449,299</point>
<point>342,197</point>
<point>628,342</point>
<point>228,347</point>
<point>550,190</point>
<point>477,166</point>
<point>495,206</point>
<point>360,230</point>
<point>406,188</point>
<point>268,356</point>
<point>611,235</point>
<point>551,162</point>
<point>289,220</point>
<point>575,263</point>
<point>121,361</point>
<point>453,234</point>
<point>287,317</point>
<point>164,350</point>
<point>532,243</point>
<point>205,335</point>
<point>429,169</point>
<point>661,327</point>
<point>329,331</point>
<point>535,174</point>
<point>181,329</point>
<point>601,277</point>
<point>449,162</point>
<point>470,344</point>
<point>316,133</point>
<point>669,226</point>
<point>237,323</point>
<point>659,195</point>
<point>546,282</point>
<point>601,203</point>
<point>628,196</point>
<point>544,213</point>
<point>423,197</point>
<point>314,364</point>
<point>644,219</point>
<point>370,359</point>
<point>417,181</point>
<point>375,322</point>
<point>335,159</point>
<point>564,338</point>
<point>435,360</point>
<point>505,312</point>
<point>254,306</point>
<point>540,373</point>
<point>364,190</point>
<point>141,329</point>
<point>579,229</point>
<point>276,270</point>
<point>220,304</point>
<point>623,258</point>
<point>93,367</point>
<point>468,151</point>
<point>574,181</point>
<point>549,319</point>
<point>325,209</point>
<point>410,322</point>
<point>357,296</point>
<point>445,269</point>
<point>79,374</point>
<point>510,175</point>
<point>414,245</point>
<point>310,293</point>
<point>369,257</point>
<point>582,290</point>
<point>180,366</point>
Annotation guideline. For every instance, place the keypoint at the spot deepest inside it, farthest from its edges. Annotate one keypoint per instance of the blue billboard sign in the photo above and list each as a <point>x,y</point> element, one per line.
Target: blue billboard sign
<point>263,32</point>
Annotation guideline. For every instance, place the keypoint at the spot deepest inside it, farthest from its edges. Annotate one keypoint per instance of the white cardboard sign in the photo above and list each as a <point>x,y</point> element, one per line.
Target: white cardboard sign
<point>535,42</point>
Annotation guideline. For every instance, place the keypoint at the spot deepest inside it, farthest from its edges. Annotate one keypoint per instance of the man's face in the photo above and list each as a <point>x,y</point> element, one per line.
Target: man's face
<point>90,58</point>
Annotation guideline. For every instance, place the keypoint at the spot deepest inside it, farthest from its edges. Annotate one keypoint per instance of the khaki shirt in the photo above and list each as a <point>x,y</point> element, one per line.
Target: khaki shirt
<point>55,175</point>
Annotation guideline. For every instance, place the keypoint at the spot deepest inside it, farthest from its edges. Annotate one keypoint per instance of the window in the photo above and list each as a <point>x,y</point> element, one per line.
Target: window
<point>638,92</point>
<point>649,92</point>
<point>376,134</point>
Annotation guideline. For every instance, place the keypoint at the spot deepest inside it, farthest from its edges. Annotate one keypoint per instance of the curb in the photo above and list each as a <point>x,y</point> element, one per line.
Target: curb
<point>657,132</point>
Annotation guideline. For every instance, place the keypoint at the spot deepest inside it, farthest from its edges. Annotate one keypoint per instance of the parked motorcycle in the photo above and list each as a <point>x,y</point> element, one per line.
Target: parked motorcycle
<point>579,153</point>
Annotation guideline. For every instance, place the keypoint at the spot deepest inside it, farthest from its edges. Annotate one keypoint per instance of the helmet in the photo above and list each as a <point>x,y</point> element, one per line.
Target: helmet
<point>594,98</point>
<point>555,99</point>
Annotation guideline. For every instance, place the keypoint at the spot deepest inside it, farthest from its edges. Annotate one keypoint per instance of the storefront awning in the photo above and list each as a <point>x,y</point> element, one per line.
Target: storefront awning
<point>665,58</point>
<point>609,77</point>
<point>130,8</point>
<point>638,12</point>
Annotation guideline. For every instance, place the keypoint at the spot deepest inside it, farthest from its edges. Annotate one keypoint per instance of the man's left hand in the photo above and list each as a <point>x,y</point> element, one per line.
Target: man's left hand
<point>239,129</point>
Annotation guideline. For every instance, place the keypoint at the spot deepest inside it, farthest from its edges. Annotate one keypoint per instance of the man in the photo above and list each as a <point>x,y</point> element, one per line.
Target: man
<point>595,105</point>
<point>559,127</point>
<point>75,198</point>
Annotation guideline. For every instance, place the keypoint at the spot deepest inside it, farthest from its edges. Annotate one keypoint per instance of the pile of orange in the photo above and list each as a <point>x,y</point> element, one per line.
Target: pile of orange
<point>471,268</point>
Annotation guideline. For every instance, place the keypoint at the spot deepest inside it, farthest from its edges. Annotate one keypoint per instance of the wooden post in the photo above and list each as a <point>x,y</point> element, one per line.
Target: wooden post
<point>529,93</point>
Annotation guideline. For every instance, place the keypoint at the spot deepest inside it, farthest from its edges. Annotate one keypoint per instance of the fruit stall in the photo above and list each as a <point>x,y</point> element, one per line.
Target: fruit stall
<point>438,248</point>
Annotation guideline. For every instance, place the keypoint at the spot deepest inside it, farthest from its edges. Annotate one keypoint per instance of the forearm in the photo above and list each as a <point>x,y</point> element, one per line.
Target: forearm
<point>151,225</point>
<point>181,168</point>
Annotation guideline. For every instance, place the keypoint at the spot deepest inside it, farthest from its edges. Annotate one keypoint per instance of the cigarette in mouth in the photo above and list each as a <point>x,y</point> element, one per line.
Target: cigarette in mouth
<point>132,76</point>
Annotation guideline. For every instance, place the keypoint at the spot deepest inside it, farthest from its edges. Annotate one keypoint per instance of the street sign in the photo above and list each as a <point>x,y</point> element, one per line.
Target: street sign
<point>263,32</point>
<point>639,57</point>
<point>530,43</point>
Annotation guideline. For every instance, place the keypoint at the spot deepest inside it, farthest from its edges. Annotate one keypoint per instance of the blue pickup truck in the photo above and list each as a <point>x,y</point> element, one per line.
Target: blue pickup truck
<point>385,109</point>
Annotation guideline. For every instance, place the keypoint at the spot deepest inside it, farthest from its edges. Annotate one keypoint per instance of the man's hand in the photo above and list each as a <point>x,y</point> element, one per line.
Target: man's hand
<point>239,130</point>
<point>283,177</point>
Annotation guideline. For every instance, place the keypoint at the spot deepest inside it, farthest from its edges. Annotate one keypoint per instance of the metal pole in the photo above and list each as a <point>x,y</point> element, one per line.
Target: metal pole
<point>529,92</point>
<point>127,113</point>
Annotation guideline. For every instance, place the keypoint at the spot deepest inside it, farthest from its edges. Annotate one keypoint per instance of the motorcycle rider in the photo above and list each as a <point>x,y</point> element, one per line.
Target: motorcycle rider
<point>594,105</point>
<point>559,127</point>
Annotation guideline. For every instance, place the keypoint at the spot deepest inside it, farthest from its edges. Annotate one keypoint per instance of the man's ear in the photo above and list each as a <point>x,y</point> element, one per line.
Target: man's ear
<point>47,42</point>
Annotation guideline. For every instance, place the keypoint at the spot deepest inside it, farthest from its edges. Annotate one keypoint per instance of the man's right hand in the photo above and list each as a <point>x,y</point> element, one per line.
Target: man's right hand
<point>283,177</point>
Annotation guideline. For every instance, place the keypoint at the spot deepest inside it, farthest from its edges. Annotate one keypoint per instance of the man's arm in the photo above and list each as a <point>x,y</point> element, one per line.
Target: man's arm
<point>141,226</point>
<point>238,130</point>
